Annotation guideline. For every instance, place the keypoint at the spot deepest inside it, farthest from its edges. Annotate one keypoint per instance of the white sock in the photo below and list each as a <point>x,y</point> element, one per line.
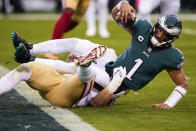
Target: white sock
<point>60,66</point>
<point>86,73</point>
<point>102,77</point>
<point>11,79</point>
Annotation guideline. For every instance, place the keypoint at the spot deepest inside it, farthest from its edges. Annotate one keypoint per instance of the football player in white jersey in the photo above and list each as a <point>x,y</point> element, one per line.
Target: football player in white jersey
<point>47,78</point>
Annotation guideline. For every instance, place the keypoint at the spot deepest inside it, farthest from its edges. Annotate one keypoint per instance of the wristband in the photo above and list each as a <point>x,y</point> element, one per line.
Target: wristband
<point>119,4</point>
<point>175,96</point>
<point>114,84</point>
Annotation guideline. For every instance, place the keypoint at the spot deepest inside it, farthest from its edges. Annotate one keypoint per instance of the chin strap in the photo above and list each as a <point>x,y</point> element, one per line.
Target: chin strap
<point>156,43</point>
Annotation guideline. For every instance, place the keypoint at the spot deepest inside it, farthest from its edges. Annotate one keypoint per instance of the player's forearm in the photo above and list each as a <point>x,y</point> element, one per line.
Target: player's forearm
<point>54,46</point>
<point>102,98</point>
<point>176,96</point>
<point>181,82</point>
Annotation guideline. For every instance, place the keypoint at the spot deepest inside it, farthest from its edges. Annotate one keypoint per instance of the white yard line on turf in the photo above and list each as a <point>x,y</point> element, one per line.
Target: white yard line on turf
<point>189,31</point>
<point>53,16</point>
<point>64,117</point>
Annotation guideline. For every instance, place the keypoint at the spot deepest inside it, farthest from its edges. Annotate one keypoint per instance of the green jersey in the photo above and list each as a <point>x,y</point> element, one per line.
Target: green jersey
<point>144,62</point>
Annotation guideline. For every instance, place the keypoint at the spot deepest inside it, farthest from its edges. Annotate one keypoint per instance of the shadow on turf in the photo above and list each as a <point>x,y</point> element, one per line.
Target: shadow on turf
<point>17,114</point>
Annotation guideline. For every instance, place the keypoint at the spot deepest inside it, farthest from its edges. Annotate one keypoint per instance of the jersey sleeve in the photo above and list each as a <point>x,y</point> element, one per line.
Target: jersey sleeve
<point>141,25</point>
<point>178,60</point>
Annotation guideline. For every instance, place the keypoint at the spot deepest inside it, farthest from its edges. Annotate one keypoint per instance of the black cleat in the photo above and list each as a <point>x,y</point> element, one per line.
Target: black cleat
<point>16,40</point>
<point>22,54</point>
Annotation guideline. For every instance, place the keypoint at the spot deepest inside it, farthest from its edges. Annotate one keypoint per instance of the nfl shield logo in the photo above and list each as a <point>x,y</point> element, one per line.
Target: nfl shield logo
<point>149,49</point>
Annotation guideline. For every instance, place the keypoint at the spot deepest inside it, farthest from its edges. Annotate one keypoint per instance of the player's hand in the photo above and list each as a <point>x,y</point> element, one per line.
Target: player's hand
<point>125,11</point>
<point>119,72</point>
<point>161,106</point>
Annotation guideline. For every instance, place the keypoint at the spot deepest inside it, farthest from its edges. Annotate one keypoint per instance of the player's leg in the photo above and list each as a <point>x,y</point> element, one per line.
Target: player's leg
<point>78,86</point>
<point>48,82</point>
<point>44,78</point>
<point>169,7</point>
<point>74,45</point>
<point>91,19</point>
<point>22,55</point>
<point>64,23</point>
<point>14,77</point>
<point>80,11</point>
<point>103,17</point>
<point>72,89</point>
<point>59,65</point>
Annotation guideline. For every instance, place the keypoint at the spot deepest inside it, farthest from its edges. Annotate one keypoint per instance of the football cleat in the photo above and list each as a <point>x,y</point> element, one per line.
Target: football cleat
<point>16,40</point>
<point>22,54</point>
<point>94,54</point>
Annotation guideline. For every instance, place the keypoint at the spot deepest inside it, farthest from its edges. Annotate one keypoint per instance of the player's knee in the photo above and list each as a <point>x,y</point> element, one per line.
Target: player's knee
<point>23,67</point>
<point>24,70</point>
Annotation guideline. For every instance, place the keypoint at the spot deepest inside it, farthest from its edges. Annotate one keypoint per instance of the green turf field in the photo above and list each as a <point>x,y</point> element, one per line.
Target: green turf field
<point>132,112</point>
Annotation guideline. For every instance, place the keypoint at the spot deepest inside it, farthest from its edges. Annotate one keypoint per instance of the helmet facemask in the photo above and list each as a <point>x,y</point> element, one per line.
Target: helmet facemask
<point>171,26</point>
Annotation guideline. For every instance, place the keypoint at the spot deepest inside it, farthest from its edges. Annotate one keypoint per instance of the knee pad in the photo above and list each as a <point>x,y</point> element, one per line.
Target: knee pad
<point>24,71</point>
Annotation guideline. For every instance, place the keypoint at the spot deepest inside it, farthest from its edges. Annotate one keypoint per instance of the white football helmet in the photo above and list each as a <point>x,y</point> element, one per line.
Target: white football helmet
<point>171,25</point>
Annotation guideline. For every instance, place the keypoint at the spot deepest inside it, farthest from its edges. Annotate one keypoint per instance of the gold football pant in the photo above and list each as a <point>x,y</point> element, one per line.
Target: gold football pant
<point>79,7</point>
<point>59,90</point>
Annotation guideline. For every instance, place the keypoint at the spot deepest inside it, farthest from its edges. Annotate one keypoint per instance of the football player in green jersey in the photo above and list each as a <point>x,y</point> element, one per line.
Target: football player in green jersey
<point>150,52</point>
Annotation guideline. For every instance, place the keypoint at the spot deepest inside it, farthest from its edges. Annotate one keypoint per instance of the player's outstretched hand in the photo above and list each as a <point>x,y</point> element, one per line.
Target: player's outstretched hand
<point>126,10</point>
<point>161,106</point>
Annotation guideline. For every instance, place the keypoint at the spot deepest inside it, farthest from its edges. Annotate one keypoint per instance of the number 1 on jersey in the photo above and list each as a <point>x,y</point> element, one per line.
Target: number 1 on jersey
<point>134,69</point>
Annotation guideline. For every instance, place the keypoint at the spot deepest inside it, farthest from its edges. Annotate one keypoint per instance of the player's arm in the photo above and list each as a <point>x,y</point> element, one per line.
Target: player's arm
<point>123,13</point>
<point>105,96</point>
<point>181,82</point>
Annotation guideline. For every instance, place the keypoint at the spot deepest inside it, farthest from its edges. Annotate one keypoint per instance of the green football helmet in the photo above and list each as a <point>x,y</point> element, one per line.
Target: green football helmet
<point>171,25</point>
